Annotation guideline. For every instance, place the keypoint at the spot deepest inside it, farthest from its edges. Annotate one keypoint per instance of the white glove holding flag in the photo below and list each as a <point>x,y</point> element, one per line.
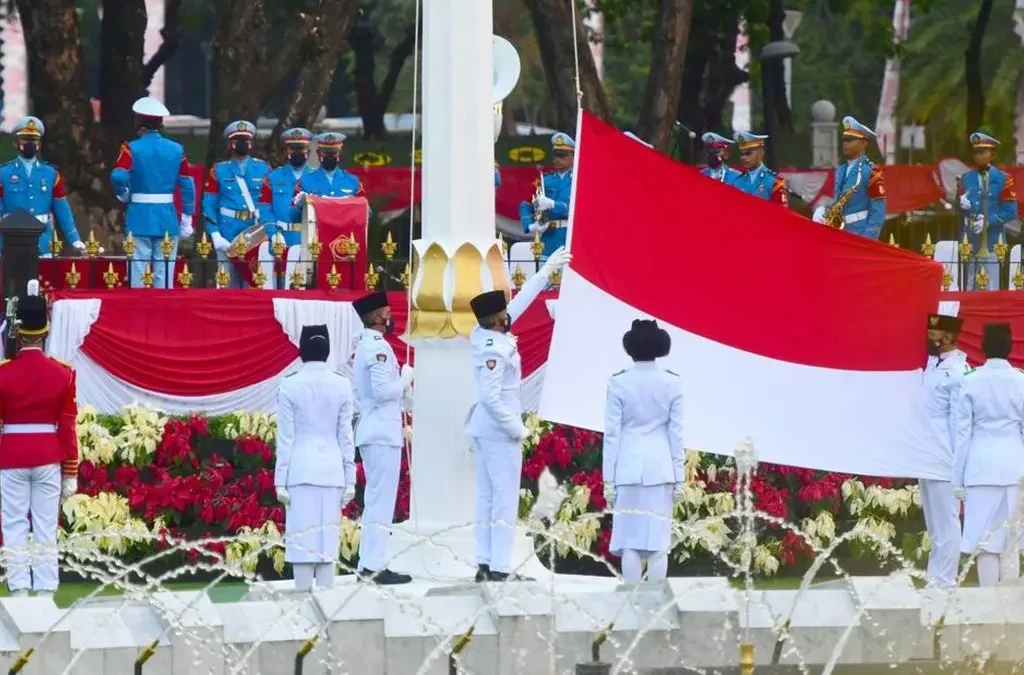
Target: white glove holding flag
<point>219,242</point>
<point>283,496</point>
<point>407,376</point>
<point>299,199</point>
<point>186,230</point>
<point>609,494</point>
<point>78,245</point>
<point>965,203</point>
<point>556,261</point>
<point>978,223</point>
<point>819,215</point>
<point>960,494</point>
<point>350,493</point>
<point>545,203</point>
<point>538,228</point>
<point>68,487</point>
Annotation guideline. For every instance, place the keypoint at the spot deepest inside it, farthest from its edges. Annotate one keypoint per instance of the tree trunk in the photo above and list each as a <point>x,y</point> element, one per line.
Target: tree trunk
<point>319,61</point>
<point>371,101</point>
<point>972,68</point>
<point>122,38</point>
<point>723,76</point>
<point>777,69</point>
<point>665,79</point>
<point>552,22</point>
<point>170,35</point>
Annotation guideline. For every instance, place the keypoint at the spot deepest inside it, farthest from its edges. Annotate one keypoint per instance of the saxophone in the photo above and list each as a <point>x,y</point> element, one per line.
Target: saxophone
<point>834,214</point>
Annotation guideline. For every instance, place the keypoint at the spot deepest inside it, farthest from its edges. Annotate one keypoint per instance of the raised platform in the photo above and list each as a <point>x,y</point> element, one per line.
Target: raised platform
<point>518,627</point>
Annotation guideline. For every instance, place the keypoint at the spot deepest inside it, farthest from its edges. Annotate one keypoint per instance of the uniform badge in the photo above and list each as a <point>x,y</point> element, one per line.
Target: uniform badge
<point>933,320</point>
<point>491,363</point>
<point>43,185</point>
<point>382,357</point>
<point>15,179</point>
<point>489,343</point>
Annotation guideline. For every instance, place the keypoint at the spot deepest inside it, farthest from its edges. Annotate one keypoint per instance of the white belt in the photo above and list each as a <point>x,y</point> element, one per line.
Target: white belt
<point>289,227</point>
<point>245,214</point>
<point>30,429</point>
<point>145,198</point>
<point>855,217</point>
<point>558,224</point>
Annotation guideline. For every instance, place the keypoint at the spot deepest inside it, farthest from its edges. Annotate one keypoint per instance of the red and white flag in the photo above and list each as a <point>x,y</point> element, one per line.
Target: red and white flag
<point>808,340</point>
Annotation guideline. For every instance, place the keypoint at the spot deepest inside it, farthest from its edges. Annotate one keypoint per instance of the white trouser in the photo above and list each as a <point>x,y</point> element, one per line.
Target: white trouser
<point>382,465</point>
<point>499,465</point>
<point>304,574</point>
<point>148,253</point>
<point>942,518</point>
<point>34,491</point>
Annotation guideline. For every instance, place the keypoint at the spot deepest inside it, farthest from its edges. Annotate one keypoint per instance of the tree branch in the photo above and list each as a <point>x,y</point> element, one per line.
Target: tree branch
<point>170,34</point>
<point>399,55</point>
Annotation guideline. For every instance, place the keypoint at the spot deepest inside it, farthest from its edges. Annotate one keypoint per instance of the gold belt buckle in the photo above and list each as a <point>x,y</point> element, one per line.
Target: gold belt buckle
<point>294,227</point>
<point>245,214</point>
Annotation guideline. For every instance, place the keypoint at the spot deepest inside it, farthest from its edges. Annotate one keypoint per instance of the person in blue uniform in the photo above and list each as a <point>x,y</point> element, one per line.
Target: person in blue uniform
<point>549,216</point>
<point>232,188</point>
<point>28,183</point>
<point>276,194</point>
<point>718,167</point>
<point>864,213</point>
<point>757,179</point>
<point>145,175</point>
<point>329,180</point>
<point>986,196</point>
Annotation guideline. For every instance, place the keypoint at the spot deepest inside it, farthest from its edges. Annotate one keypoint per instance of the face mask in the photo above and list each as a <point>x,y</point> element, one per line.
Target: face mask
<point>389,325</point>
<point>507,325</point>
<point>297,159</point>
<point>714,160</point>
<point>329,162</point>
<point>933,347</point>
<point>28,150</point>
<point>241,148</point>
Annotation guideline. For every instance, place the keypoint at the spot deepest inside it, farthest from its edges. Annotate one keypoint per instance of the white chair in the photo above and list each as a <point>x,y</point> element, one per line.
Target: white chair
<point>948,253</point>
<point>1015,255</point>
<point>520,254</point>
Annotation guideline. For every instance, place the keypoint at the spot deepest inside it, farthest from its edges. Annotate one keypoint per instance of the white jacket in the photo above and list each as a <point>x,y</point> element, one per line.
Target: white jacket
<point>314,429</point>
<point>989,422</point>
<point>643,427</point>
<point>379,391</point>
<point>942,382</point>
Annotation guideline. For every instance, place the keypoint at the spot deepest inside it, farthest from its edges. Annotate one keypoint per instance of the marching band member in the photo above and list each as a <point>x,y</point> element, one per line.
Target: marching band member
<point>718,158</point>
<point>26,182</point>
<point>276,194</point>
<point>381,393</point>
<point>859,184</point>
<point>329,179</point>
<point>942,381</point>
<point>985,195</point>
<point>495,422</point>
<point>315,469</point>
<point>757,179</point>
<point>38,450</point>
<point>548,215</point>
<point>643,455</point>
<point>228,204</point>
<point>144,177</point>
<point>988,420</point>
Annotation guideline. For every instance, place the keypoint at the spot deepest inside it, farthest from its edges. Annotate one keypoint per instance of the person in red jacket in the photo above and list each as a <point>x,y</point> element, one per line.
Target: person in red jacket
<point>38,450</point>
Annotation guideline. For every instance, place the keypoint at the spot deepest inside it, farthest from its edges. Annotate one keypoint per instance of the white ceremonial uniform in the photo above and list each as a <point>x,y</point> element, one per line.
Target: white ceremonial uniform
<point>942,382</point>
<point>379,395</point>
<point>643,455</point>
<point>988,419</point>
<point>315,460</point>
<point>495,425</point>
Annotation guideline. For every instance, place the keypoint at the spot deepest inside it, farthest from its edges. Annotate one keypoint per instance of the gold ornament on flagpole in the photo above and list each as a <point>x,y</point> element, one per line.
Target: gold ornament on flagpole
<point>389,247</point>
<point>185,277</point>
<point>928,248</point>
<point>92,247</point>
<point>237,249</point>
<point>315,247</point>
<point>536,247</point>
<point>222,278</point>
<point>72,277</point>
<point>333,278</point>
<point>278,248</point>
<point>504,244</point>
<point>1018,276</point>
<point>110,277</point>
<point>518,277</point>
<point>947,278</point>
<point>148,277</point>
<point>298,279</point>
<point>352,247</point>
<point>965,249</point>
<point>405,276</point>
<point>56,246</point>
<point>167,246</point>
<point>746,659</point>
<point>204,247</point>
<point>1001,249</point>
<point>129,246</point>
<point>892,240</point>
<point>981,279</point>
<point>372,279</point>
<point>258,277</point>
<point>555,279</point>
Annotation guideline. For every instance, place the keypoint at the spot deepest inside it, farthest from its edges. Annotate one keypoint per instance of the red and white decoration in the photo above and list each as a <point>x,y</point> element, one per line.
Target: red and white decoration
<point>809,340</point>
<point>222,351</point>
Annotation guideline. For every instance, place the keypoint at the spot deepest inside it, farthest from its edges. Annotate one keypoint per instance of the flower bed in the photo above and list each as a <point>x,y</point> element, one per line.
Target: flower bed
<point>148,480</point>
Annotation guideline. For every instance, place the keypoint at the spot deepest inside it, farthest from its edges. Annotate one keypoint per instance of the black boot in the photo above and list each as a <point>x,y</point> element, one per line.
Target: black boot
<point>505,576</point>
<point>483,573</point>
<point>384,578</point>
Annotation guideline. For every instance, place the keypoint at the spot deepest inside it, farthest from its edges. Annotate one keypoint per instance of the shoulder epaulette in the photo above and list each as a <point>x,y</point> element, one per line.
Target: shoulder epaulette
<point>671,372</point>
<point>63,363</point>
<point>378,337</point>
<point>618,373</point>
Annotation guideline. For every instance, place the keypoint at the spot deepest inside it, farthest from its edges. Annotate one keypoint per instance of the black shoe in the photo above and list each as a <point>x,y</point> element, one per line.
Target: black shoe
<point>384,578</point>
<point>483,573</point>
<point>504,576</point>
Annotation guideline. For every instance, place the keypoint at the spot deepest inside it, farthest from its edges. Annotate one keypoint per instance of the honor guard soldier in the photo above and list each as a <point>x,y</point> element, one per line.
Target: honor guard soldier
<point>36,186</point>
<point>38,450</point>
<point>145,175</point>
<point>276,197</point>
<point>548,215</point>
<point>381,394</point>
<point>718,168</point>
<point>495,422</point>
<point>232,187</point>
<point>943,378</point>
<point>859,189</point>
<point>986,201</point>
<point>329,180</point>
<point>315,468</point>
<point>757,179</point>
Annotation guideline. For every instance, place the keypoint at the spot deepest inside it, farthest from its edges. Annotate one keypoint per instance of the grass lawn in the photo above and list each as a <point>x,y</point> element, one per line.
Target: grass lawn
<point>68,593</point>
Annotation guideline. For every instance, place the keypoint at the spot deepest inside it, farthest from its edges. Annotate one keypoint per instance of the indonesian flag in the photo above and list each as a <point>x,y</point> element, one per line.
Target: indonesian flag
<point>808,340</point>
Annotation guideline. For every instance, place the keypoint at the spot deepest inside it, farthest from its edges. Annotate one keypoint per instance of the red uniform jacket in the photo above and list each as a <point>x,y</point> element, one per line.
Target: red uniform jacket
<point>36,389</point>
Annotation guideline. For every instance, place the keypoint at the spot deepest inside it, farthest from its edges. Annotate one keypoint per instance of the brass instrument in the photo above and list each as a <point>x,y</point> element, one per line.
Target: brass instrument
<point>834,214</point>
<point>983,177</point>
<point>538,215</point>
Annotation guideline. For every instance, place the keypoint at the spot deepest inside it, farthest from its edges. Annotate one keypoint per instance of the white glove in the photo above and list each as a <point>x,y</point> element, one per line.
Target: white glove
<point>679,493</point>
<point>538,228</point>
<point>299,199</point>
<point>79,245</point>
<point>978,224</point>
<point>186,230</point>
<point>609,494</point>
<point>124,197</point>
<point>350,493</point>
<point>68,487</point>
<point>523,433</point>
<point>960,494</point>
<point>283,496</point>
<point>407,376</point>
<point>965,203</point>
<point>545,203</point>
<point>556,261</point>
<point>219,242</point>
<point>819,215</point>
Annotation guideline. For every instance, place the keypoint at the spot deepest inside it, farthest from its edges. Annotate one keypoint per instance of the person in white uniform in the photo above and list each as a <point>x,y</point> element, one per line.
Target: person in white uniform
<point>315,470</point>
<point>381,394</point>
<point>988,419</point>
<point>495,422</point>
<point>943,377</point>
<point>643,456</point>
